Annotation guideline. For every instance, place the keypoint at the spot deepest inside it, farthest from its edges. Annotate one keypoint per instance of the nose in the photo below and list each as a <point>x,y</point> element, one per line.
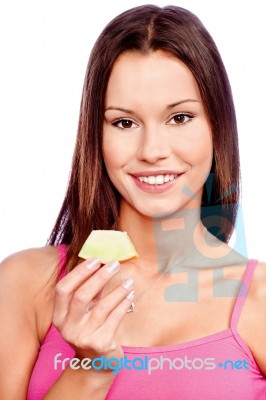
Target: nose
<point>154,145</point>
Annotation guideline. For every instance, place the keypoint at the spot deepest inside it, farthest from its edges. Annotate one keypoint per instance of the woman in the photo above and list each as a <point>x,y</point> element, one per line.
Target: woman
<point>156,156</point>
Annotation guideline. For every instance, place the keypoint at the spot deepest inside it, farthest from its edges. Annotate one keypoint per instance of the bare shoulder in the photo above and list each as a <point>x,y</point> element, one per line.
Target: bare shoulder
<point>31,258</point>
<point>30,275</point>
<point>29,268</point>
<point>258,284</point>
<point>256,297</point>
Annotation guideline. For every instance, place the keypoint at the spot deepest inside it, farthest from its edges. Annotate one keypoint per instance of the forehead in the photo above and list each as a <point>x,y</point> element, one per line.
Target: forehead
<point>156,74</point>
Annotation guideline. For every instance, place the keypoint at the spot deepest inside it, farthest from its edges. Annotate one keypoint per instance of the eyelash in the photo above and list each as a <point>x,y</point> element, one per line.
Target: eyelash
<point>190,116</point>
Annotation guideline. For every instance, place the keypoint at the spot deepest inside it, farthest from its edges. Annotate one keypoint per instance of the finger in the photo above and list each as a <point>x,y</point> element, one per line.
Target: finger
<point>87,295</point>
<point>66,287</point>
<point>115,318</point>
<point>108,303</point>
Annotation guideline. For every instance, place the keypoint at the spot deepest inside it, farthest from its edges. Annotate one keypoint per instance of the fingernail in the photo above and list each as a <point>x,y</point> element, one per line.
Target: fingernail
<point>92,263</point>
<point>127,284</point>
<point>113,266</point>
<point>131,295</point>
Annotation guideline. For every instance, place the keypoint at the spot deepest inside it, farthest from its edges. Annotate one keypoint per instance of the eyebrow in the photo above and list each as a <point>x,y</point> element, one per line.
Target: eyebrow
<point>167,107</point>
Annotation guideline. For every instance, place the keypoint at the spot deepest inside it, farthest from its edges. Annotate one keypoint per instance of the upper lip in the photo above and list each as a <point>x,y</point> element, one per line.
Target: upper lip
<point>155,173</point>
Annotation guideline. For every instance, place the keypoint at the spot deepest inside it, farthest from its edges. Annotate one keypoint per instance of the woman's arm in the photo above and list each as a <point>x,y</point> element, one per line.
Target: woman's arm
<point>21,277</point>
<point>89,326</point>
<point>27,295</point>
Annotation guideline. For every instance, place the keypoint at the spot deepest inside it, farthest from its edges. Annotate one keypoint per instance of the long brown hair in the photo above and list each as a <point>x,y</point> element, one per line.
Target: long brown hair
<point>91,201</point>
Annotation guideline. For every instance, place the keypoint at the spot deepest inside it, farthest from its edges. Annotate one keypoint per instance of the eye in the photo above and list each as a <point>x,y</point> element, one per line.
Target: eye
<point>124,124</point>
<point>181,119</point>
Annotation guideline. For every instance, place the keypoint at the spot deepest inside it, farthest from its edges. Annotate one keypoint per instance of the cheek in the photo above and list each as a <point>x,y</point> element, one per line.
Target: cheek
<point>196,148</point>
<point>115,154</point>
<point>118,147</point>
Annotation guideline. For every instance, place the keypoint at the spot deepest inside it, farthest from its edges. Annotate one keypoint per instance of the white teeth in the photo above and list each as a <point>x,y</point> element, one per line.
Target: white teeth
<point>157,180</point>
<point>151,180</point>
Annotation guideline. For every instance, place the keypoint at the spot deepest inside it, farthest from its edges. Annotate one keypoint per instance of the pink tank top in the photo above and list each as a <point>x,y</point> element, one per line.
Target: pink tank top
<point>216,367</point>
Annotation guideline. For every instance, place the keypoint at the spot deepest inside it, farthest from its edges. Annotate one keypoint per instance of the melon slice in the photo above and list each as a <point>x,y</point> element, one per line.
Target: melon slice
<point>108,245</point>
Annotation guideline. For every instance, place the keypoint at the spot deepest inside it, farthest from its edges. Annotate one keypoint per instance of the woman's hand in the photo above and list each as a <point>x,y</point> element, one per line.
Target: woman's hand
<point>87,325</point>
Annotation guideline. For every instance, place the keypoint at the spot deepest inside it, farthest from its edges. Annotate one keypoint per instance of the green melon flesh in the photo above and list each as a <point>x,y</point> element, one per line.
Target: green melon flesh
<point>108,245</point>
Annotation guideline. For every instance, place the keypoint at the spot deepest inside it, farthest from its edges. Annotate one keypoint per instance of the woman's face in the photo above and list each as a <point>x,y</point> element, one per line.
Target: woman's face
<point>157,141</point>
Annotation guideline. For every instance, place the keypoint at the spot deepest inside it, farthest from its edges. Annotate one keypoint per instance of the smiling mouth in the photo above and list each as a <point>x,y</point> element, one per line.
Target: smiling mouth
<point>156,184</point>
<point>157,180</point>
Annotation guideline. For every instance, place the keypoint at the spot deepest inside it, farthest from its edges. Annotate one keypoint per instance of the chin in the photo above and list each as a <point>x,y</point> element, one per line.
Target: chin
<point>159,211</point>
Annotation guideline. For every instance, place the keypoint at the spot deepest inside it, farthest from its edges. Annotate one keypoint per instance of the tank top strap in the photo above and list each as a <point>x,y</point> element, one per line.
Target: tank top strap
<point>62,254</point>
<point>251,265</point>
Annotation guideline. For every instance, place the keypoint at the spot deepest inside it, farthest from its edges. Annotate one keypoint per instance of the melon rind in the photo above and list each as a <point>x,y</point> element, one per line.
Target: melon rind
<point>108,245</point>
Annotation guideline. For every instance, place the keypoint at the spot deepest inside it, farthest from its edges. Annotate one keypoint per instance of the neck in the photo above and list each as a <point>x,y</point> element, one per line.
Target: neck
<point>163,241</point>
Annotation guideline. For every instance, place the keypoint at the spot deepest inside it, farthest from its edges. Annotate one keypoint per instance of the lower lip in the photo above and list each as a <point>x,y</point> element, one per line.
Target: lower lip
<point>146,187</point>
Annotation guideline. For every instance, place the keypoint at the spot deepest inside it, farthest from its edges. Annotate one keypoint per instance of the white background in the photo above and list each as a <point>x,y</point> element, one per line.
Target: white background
<point>44,48</point>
